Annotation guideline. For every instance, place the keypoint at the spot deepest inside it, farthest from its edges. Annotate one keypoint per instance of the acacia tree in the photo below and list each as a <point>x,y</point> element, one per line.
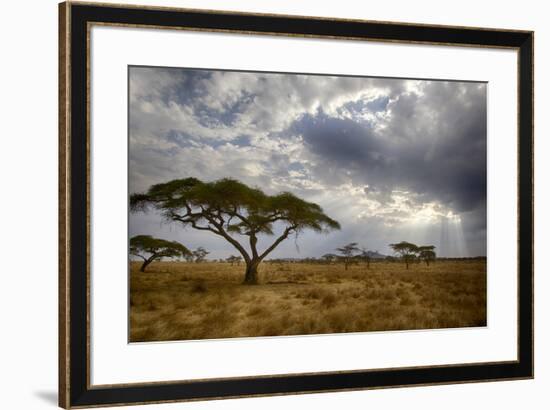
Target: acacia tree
<point>407,251</point>
<point>365,256</point>
<point>329,257</point>
<point>150,249</point>
<point>427,253</point>
<point>229,208</point>
<point>200,254</point>
<point>348,252</point>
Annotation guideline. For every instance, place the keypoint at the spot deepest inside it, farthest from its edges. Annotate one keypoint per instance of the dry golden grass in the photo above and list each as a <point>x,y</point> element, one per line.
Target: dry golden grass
<point>182,301</point>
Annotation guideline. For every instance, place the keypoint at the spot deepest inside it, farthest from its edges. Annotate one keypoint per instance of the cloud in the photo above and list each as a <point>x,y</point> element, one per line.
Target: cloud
<point>385,157</point>
<point>432,143</point>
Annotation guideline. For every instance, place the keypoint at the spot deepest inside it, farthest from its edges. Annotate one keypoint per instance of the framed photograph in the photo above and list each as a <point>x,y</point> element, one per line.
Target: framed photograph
<point>259,205</point>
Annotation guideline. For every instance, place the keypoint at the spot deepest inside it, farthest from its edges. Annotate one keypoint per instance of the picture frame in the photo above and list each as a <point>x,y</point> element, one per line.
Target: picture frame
<point>76,222</point>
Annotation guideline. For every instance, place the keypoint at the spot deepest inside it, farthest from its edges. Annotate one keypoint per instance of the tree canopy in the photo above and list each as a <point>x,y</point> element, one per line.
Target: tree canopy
<point>348,252</point>
<point>406,250</point>
<point>427,253</point>
<point>149,249</point>
<point>410,252</point>
<point>227,207</point>
<point>200,254</point>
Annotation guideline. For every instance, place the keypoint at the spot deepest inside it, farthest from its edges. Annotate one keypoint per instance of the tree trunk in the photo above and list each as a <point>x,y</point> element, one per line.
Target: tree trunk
<point>407,264</point>
<point>251,273</point>
<point>145,264</point>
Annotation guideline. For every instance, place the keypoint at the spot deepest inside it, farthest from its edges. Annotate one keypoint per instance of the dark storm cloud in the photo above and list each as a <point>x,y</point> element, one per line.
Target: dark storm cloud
<point>342,141</point>
<point>433,145</point>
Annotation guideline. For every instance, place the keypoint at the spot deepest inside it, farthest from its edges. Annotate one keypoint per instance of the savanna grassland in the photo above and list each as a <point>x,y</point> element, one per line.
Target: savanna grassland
<point>182,301</point>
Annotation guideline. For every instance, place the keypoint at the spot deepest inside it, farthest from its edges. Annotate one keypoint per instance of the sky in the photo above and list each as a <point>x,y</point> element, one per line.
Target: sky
<point>390,159</point>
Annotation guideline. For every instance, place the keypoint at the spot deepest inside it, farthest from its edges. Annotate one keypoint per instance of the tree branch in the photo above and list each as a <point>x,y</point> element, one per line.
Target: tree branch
<point>203,228</point>
<point>242,218</point>
<point>221,232</point>
<point>141,256</point>
<point>152,258</point>
<point>281,238</point>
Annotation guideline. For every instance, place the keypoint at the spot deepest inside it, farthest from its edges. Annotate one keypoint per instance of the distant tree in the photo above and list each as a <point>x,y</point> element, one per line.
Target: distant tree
<point>427,253</point>
<point>329,257</point>
<point>348,253</point>
<point>189,258</point>
<point>406,251</point>
<point>228,207</point>
<point>200,254</point>
<point>234,260</point>
<point>150,249</point>
<point>365,256</point>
